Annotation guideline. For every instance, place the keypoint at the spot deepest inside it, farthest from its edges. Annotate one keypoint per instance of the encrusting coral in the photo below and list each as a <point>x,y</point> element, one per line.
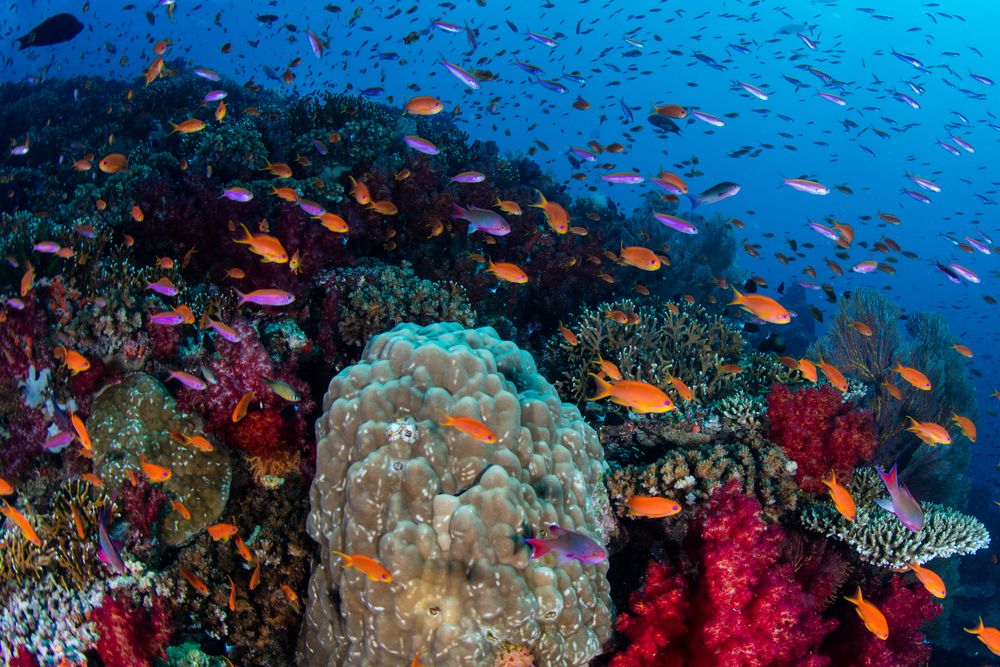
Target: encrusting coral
<point>136,418</point>
<point>680,340</point>
<point>447,513</point>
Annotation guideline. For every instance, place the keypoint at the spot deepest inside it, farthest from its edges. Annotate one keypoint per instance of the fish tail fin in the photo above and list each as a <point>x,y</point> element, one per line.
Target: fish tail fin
<point>538,547</point>
<point>603,388</point>
<point>976,630</point>
<point>448,421</point>
<point>890,478</point>
<point>831,481</point>
<point>246,239</point>
<point>694,199</point>
<point>857,599</point>
<point>172,125</point>
<point>542,201</point>
<point>242,296</point>
<point>737,298</point>
<point>347,560</point>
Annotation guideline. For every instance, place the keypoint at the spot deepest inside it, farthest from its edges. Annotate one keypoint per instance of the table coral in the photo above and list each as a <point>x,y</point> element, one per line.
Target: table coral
<point>446,513</point>
<point>737,604</point>
<point>136,417</point>
<point>821,432</point>
<point>689,343</point>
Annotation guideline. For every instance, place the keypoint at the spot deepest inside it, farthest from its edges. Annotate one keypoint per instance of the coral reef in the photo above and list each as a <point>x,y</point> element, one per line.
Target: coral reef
<point>446,513</point>
<point>737,605</point>
<point>130,636</point>
<point>135,419</point>
<point>689,344</point>
<point>821,432</point>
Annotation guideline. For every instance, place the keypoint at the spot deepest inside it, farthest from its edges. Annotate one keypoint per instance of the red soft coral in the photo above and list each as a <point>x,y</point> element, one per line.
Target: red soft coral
<point>745,607</point>
<point>905,609</point>
<point>821,432</point>
<point>130,635</point>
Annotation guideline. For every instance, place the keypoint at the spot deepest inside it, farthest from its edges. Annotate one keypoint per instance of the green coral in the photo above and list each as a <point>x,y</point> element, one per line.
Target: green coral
<point>690,344</point>
<point>135,418</point>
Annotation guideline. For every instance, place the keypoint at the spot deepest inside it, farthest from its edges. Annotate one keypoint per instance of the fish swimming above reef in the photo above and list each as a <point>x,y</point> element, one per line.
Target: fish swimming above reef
<point>53,30</point>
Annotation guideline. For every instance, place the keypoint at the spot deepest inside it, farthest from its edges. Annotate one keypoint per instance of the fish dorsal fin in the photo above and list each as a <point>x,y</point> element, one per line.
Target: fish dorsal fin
<point>556,531</point>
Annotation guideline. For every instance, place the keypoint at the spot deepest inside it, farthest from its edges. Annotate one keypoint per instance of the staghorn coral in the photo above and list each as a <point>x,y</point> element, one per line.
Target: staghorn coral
<point>445,513</point>
<point>821,432</point>
<point>691,475</point>
<point>63,557</point>
<point>741,409</point>
<point>136,417</point>
<point>689,343</point>
<point>879,538</point>
<point>736,604</point>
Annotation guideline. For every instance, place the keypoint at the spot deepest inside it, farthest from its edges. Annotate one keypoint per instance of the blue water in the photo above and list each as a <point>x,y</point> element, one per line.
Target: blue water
<point>853,40</point>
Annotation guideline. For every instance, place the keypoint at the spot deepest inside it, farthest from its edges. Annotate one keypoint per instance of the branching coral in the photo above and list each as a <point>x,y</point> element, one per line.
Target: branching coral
<point>736,605</point>
<point>880,538</point>
<point>691,475</point>
<point>690,344</point>
<point>820,432</point>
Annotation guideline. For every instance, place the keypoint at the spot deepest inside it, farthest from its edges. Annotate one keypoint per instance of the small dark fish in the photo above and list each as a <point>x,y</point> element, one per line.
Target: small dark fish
<point>53,30</point>
<point>267,19</point>
<point>664,124</point>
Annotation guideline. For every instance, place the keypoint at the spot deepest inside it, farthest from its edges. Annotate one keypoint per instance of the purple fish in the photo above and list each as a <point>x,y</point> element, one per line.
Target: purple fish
<point>541,39</point>
<point>447,27</point>
<point>266,297</point>
<point>461,74</point>
<point>166,289</point>
<point>206,73</point>
<point>823,230</point>
<point>903,97</point>
<point>979,246</point>
<point>319,146</point>
<point>809,187</point>
<point>15,303</point>
<point>924,183</point>
<point>226,332</point>
<point>109,551</point>
<point>567,545</point>
<point>529,68</point>
<point>708,118</point>
<point>923,199</point>
<point>583,154</point>
<point>311,207</point>
<point>964,145</point>
<point>56,442</point>
<point>167,318</point>
<point>909,60</point>
<point>753,90</point>
<point>214,96</point>
<point>964,272</point>
<point>808,42</point>
<point>829,97</point>
<point>982,79</point>
<point>482,220</point>
<point>900,502</point>
<point>675,223</point>
<point>714,194</point>
<point>48,247</point>
<point>237,194</point>
<point>553,86</point>
<point>468,177</point>
<point>188,380</point>
<point>625,177</point>
<point>420,144</point>
<point>948,147</point>
<point>949,274</point>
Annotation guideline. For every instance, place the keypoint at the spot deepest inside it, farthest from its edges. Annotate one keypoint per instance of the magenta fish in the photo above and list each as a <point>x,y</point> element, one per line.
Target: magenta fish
<point>964,272</point>
<point>461,74</point>
<point>583,154</point>
<point>237,194</point>
<point>48,247</point>
<point>214,96</point>
<point>714,194</point>
<point>482,220</point>
<point>266,297</point>
<point>625,177</point>
<point>753,90</point>
<point>809,187</point>
<point>162,286</point>
<point>167,318</point>
<point>315,43</point>
<point>447,27</point>
<point>900,502</point>
<point>311,207</point>
<point>830,97</point>
<point>109,549</point>
<point>541,39</point>
<point>923,199</point>
<point>675,223</point>
<point>823,230</point>
<point>188,380</point>
<point>206,73</point>
<point>468,177</point>
<point>57,441</point>
<point>566,546</point>
<point>420,144</point>
<point>708,118</point>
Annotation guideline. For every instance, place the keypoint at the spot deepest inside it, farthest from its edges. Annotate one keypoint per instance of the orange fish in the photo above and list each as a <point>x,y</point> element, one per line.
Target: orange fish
<point>91,478</point>
<point>6,488</point>
<point>508,206</point>
<point>77,522</point>
<point>333,223</point>
<point>870,615</point>
<point>232,594</point>
<point>930,579</point>
<point>862,328</point>
<point>360,192</point>
<point>221,531</point>
<point>470,427</point>
<point>616,316</point>
<point>153,71</point>
<point>670,111</point>
<point>189,126</point>
<point>255,577</point>
<point>424,105</point>
<point>28,279</point>
<point>555,215</point>
<point>832,374</point>
<point>962,350</point>
<point>967,426</point>
<point>286,194</point>
<point>268,247</point>
<point>279,169</point>
<point>289,593</point>
<point>240,411</point>
<point>194,580</point>
<point>384,207</point>
<point>199,442</point>
<point>568,335</point>
<point>682,389</point>
<point>988,636</point>
<point>241,547</point>
<point>730,368</point>
<point>893,390</point>
<point>21,522</point>
<point>156,474</point>
<point>763,307</point>
<point>640,258</point>
<point>179,507</point>
<point>652,507</point>
<point>930,432</point>
<point>608,368</point>
<point>507,272</point>
<point>368,566</point>
<point>842,499</point>
<point>113,163</point>
<point>635,394</point>
<point>913,376</point>
<point>73,360</point>
<point>81,431</point>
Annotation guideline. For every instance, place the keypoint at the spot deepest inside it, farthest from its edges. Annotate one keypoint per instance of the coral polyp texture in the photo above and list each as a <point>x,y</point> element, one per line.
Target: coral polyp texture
<point>447,513</point>
<point>134,419</point>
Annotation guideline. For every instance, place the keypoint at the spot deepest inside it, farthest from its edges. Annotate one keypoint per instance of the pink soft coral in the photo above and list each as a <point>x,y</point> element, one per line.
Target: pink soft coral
<point>130,635</point>
<point>821,432</point>
<point>738,605</point>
